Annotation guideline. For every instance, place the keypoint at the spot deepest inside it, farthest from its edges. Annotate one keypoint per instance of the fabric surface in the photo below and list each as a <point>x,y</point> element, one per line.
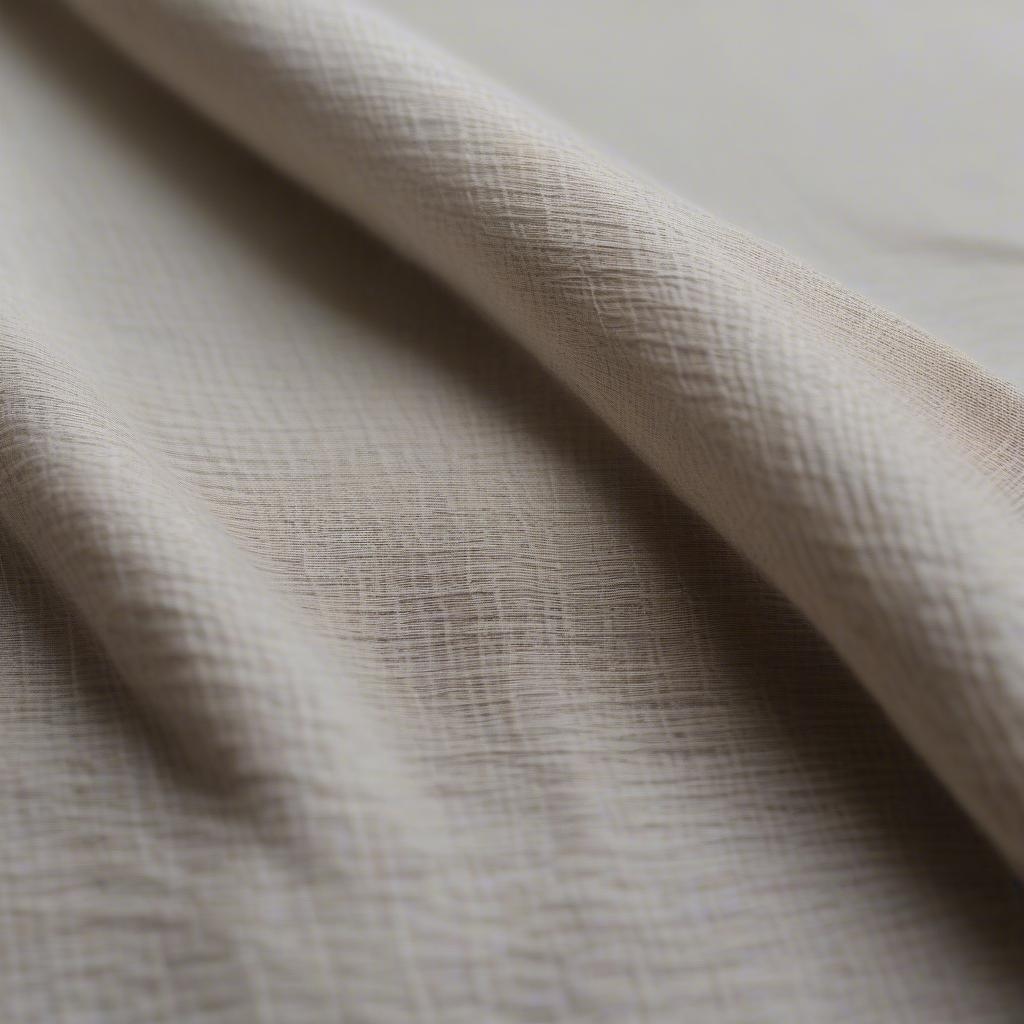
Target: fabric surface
<point>448,577</point>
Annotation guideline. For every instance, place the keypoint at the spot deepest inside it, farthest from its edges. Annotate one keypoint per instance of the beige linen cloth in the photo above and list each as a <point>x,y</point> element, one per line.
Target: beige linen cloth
<point>447,577</point>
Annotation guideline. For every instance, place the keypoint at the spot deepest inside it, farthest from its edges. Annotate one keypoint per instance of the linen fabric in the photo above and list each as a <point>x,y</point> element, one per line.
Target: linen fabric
<point>449,577</point>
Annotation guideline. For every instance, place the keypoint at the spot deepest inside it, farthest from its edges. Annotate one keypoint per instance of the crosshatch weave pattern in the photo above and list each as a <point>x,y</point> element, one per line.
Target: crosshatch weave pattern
<point>499,635</point>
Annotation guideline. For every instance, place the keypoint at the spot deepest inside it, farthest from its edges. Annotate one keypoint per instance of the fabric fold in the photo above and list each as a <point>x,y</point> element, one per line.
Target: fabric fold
<point>874,475</point>
<point>82,493</point>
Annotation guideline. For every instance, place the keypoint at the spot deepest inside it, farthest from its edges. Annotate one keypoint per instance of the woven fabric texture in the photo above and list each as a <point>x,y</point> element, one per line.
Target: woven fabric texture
<point>448,578</point>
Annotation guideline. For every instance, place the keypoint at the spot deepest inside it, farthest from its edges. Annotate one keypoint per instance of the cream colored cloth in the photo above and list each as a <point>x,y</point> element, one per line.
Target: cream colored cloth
<point>495,636</point>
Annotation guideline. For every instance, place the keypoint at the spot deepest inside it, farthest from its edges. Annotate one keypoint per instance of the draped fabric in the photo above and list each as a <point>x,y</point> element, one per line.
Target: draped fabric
<point>446,575</point>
